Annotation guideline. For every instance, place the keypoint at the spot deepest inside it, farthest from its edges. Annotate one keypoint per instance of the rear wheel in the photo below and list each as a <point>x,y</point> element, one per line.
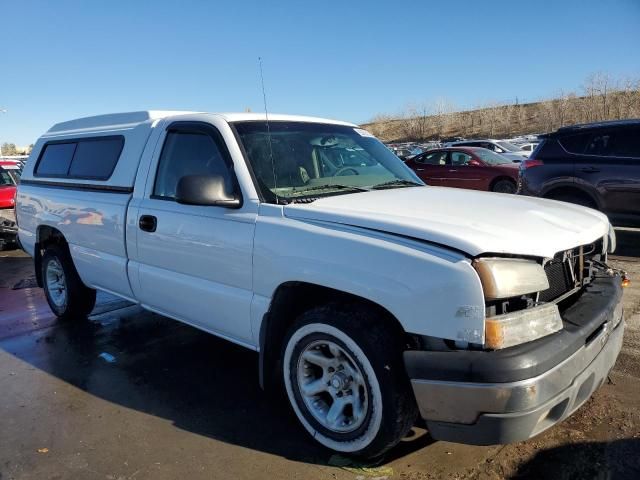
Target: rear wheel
<point>67,296</point>
<point>504,186</point>
<point>345,380</point>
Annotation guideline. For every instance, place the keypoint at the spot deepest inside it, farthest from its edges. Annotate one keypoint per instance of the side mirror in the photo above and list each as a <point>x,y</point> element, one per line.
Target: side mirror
<point>474,163</point>
<point>205,190</point>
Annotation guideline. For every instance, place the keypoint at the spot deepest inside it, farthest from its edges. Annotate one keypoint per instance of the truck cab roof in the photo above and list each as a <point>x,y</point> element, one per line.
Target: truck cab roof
<point>125,135</point>
<point>128,120</point>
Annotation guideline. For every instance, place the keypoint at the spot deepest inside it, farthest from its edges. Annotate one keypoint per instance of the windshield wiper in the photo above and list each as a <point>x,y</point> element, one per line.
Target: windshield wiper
<point>397,183</point>
<point>335,186</point>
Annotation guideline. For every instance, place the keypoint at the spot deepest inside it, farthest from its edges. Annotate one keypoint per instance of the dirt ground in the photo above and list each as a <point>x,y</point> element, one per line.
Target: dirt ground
<point>133,395</point>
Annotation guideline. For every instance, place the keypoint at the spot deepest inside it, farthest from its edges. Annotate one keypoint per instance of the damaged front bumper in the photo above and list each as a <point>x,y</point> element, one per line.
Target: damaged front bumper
<point>504,396</point>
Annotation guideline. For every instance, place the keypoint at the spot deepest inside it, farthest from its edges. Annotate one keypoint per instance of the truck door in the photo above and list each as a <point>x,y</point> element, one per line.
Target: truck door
<point>192,262</point>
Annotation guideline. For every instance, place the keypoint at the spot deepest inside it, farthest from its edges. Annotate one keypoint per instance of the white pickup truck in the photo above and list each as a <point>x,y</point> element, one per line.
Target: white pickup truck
<point>370,297</point>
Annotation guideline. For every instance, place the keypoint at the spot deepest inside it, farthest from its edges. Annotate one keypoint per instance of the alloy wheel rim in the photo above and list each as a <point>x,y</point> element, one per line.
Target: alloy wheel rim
<point>56,283</point>
<point>332,386</point>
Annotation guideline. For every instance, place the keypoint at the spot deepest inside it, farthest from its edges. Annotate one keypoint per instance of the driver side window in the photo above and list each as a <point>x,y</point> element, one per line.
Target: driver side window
<point>436,158</point>
<point>188,153</point>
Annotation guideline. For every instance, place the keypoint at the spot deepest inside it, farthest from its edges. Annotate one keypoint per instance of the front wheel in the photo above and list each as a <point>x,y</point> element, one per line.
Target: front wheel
<point>504,186</point>
<point>66,295</point>
<point>345,380</point>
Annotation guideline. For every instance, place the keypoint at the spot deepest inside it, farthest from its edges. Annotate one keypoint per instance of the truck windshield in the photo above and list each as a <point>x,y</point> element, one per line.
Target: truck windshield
<point>317,159</point>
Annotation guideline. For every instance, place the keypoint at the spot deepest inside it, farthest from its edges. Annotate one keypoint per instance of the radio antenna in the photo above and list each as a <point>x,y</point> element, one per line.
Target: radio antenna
<point>266,116</point>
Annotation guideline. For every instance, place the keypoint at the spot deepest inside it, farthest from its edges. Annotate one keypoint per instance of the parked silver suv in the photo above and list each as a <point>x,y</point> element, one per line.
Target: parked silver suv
<point>504,148</point>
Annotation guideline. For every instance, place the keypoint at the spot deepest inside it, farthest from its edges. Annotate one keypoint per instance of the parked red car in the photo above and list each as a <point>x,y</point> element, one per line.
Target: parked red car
<point>466,167</point>
<point>9,177</point>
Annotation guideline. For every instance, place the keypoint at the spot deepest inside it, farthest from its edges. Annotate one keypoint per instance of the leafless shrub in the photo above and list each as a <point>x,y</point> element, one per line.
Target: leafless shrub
<point>602,98</point>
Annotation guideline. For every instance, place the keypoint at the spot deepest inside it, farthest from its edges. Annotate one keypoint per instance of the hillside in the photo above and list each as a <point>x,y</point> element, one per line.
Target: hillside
<point>601,99</point>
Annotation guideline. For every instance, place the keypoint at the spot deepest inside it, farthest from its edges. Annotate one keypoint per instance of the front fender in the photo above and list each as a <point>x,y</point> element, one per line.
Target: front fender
<point>430,290</point>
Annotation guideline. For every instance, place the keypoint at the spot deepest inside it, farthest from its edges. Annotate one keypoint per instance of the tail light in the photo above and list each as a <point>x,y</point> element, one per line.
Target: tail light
<point>530,163</point>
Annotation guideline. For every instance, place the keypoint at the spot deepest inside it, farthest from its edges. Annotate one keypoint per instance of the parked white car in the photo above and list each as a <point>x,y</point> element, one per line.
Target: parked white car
<point>528,147</point>
<point>504,148</point>
<point>370,297</point>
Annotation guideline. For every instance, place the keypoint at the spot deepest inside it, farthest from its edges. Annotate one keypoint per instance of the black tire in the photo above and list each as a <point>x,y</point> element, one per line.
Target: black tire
<point>504,186</point>
<point>79,299</point>
<point>376,350</point>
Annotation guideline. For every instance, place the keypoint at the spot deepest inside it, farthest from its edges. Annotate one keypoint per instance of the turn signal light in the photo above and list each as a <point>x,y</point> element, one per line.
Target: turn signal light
<point>514,328</point>
<point>626,281</point>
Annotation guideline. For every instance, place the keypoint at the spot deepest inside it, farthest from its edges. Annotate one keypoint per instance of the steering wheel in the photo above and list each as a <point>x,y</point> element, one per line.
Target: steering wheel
<point>340,171</point>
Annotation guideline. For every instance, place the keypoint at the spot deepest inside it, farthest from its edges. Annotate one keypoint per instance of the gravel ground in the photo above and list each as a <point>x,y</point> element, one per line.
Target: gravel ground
<point>177,403</point>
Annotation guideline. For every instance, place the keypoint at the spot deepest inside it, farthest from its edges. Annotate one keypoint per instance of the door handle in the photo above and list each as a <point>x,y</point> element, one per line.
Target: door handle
<point>148,223</point>
<point>419,169</point>
<point>453,170</point>
<point>590,170</point>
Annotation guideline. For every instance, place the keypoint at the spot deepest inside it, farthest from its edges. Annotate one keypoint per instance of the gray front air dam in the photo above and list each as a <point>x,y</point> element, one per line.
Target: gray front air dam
<point>468,406</point>
<point>515,426</point>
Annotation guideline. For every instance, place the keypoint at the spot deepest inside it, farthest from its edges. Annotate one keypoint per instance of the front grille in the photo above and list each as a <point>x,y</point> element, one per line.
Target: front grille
<point>560,279</point>
<point>563,271</point>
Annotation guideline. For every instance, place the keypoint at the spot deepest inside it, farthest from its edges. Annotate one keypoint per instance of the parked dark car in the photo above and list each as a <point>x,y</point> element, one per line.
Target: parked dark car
<point>596,165</point>
<point>466,167</point>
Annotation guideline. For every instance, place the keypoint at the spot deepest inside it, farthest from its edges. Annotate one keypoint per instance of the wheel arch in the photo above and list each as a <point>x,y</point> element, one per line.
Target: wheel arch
<point>289,301</point>
<point>46,235</point>
<point>571,189</point>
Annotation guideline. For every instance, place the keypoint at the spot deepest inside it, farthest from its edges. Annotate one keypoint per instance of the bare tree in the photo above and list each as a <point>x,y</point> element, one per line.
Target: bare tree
<point>490,117</point>
<point>561,106</point>
<point>597,89</point>
<point>442,110</point>
<point>603,97</point>
<point>626,102</point>
<point>506,119</point>
<point>415,121</point>
<point>9,149</point>
<point>380,124</point>
<point>521,118</point>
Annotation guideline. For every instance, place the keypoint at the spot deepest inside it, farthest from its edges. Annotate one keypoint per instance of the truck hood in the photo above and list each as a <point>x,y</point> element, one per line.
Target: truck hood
<point>466,220</point>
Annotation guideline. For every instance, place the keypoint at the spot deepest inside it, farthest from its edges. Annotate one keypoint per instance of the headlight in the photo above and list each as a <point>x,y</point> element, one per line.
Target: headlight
<point>510,277</point>
<point>514,328</point>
